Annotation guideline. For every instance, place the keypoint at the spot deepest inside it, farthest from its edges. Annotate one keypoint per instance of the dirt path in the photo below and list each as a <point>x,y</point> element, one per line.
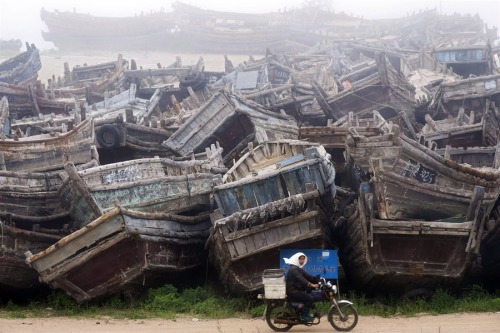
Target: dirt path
<point>454,323</point>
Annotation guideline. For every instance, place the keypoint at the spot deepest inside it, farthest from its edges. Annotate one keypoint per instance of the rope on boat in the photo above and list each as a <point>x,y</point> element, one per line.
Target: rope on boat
<point>246,219</point>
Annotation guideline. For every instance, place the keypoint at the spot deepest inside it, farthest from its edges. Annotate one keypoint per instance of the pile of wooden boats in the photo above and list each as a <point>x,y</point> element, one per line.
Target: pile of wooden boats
<point>278,194</point>
<point>419,218</point>
<point>115,178</point>
<point>139,222</point>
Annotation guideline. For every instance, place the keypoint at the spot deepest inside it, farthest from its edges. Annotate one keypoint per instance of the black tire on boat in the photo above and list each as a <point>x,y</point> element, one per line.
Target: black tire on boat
<point>195,80</point>
<point>108,136</point>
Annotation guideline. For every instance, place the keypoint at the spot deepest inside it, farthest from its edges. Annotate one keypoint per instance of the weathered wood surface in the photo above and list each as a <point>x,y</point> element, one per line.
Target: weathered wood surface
<point>46,124</point>
<point>4,117</point>
<point>490,247</point>
<point>144,140</point>
<point>145,184</point>
<point>15,274</point>
<point>279,179</point>
<point>24,103</point>
<point>31,197</point>
<point>477,157</point>
<point>418,183</point>
<point>267,201</point>
<point>48,152</point>
<point>463,130</point>
<point>403,254</point>
<point>409,176</point>
<point>265,155</point>
<point>124,249</point>
<point>115,105</point>
<point>245,243</point>
<point>385,87</point>
<point>23,68</point>
<point>470,94</point>
<point>230,120</point>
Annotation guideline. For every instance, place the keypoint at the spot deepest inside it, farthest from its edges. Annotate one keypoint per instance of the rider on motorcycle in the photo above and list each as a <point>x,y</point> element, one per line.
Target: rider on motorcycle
<point>298,281</point>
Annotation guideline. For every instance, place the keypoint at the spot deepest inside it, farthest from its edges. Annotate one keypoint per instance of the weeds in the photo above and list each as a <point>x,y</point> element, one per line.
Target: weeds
<point>168,302</point>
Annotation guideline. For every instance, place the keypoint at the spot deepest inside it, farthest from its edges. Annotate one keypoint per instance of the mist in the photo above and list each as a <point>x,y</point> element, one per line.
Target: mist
<point>21,19</point>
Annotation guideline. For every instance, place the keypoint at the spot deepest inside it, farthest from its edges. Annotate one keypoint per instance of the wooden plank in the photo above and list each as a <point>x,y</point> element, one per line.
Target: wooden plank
<point>68,265</point>
<point>68,246</point>
<point>278,224</point>
<point>240,246</point>
<point>284,242</point>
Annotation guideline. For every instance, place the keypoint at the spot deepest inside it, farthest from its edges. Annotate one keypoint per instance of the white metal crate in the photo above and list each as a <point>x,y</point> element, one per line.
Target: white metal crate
<point>273,280</point>
<point>275,291</point>
<point>274,284</point>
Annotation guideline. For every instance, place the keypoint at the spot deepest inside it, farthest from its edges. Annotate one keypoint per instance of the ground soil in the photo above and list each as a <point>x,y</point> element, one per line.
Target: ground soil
<point>453,323</point>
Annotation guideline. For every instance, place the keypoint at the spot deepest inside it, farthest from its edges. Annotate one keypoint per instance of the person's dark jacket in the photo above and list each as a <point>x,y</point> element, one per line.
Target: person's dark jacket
<point>298,279</point>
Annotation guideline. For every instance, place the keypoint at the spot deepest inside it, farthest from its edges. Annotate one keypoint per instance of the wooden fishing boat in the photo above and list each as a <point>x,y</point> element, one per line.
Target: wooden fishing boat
<point>333,136</point>
<point>29,198</point>
<point>23,68</point>
<point>143,140</point>
<point>29,100</point>
<point>490,248</point>
<point>376,87</point>
<point>463,130</point>
<point>408,176</point>
<point>233,122</point>
<point>46,152</point>
<point>419,221</point>
<point>15,274</point>
<point>219,31</point>
<point>277,195</point>
<point>467,57</point>
<point>149,185</point>
<point>476,157</point>
<point>119,105</point>
<point>93,83</point>
<point>124,251</point>
<point>78,31</point>
<point>282,82</point>
<point>405,254</point>
<point>472,94</point>
<point>43,123</point>
<point>146,141</point>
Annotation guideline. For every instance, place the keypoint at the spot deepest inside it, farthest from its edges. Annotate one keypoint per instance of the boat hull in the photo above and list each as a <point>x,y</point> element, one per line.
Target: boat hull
<point>123,250</point>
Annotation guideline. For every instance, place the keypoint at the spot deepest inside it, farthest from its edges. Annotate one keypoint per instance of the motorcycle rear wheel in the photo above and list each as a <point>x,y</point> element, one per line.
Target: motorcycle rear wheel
<point>345,323</point>
<point>278,311</point>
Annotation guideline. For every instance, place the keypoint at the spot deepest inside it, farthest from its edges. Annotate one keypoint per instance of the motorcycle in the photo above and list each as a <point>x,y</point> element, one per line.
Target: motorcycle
<point>282,314</point>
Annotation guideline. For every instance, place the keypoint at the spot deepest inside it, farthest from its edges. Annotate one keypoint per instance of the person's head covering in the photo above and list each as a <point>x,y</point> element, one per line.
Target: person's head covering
<point>294,260</point>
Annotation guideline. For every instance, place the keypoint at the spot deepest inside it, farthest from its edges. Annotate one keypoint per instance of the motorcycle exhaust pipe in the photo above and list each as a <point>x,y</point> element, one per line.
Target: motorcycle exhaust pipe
<point>284,321</point>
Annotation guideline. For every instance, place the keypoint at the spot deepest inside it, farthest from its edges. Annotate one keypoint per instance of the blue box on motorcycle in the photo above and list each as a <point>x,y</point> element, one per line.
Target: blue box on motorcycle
<point>322,262</point>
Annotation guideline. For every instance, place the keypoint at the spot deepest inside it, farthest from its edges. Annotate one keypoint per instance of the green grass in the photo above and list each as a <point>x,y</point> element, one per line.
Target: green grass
<point>168,302</point>
<point>440,301</point>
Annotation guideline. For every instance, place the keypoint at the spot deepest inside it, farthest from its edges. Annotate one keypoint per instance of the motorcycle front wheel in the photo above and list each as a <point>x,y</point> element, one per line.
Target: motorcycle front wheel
<point>345,322</point>
<point>278,312</point>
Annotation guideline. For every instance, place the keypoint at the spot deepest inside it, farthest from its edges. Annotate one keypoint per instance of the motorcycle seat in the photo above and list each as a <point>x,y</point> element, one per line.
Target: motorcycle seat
<point>297,305</point>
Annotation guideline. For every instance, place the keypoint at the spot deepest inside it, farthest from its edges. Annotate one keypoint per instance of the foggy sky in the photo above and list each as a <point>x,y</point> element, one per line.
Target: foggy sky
<point>21,18</point>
